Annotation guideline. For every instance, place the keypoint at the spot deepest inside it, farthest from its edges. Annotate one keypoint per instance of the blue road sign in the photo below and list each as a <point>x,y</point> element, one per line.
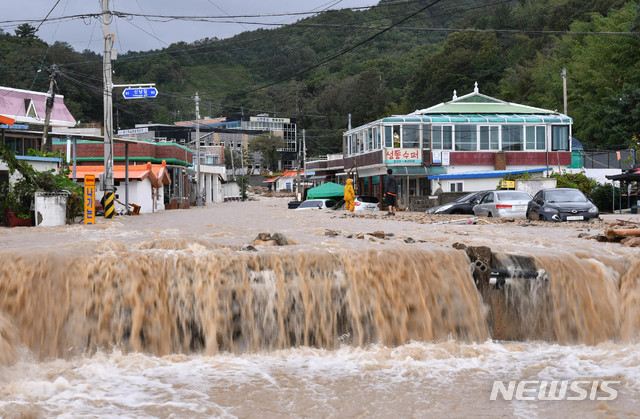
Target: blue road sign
<point>140,93</point>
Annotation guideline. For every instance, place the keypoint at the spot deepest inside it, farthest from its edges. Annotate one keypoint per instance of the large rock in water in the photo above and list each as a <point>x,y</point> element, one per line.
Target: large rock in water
<point>267,239</point>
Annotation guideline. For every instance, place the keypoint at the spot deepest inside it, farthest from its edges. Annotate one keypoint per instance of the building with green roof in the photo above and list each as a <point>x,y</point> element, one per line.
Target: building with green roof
<point>470,134</point>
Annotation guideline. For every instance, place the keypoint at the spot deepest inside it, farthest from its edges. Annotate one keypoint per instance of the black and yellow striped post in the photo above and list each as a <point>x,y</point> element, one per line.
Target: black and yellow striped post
<point>109,211</point>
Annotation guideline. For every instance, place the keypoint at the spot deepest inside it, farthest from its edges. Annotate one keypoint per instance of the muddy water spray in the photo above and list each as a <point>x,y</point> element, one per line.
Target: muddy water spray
<point>173,296</point>
<point>170,296</point>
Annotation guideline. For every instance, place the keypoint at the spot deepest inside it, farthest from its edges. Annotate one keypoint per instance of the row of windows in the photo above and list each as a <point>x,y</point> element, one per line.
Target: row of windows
<point>21,145</point>
<point>269,126</point>
<point>459,137</point>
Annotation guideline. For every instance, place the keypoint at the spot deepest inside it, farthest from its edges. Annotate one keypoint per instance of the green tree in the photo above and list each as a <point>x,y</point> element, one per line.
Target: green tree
<point>233,159</point>
<point>26,31</point>
<point>464,59</point>
<point>603,73</point>
<point>267,145</point>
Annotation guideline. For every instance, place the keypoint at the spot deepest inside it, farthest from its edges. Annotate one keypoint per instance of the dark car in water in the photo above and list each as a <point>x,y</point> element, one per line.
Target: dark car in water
<point>462,205</point>
<point>561,204</point>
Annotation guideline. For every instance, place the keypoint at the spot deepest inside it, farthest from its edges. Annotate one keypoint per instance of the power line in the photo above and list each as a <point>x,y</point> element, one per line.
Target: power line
<point>151,35</point>
<point>219,8</point>
<point>150,27</point>
<point>345,51</point>
<point>198,17</point>
<point>45,18</point>
<point>48,45</point>
<point>226,43</point>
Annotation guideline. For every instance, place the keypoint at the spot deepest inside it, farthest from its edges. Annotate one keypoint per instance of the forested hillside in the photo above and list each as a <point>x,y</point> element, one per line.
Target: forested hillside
<point>393,58</point>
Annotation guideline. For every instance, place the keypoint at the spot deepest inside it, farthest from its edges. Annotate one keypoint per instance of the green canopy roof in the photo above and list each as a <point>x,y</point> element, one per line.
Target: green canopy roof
<point>478,118</point>
<point>327,190</point>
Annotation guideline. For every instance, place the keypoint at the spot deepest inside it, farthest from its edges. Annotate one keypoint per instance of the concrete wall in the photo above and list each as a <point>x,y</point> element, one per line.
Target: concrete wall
<point>140,193</point>
<point>40,164</point>
<point>532,186</point>
<point>210,182</point>
<point>231,191</point>
<point>597,174</point>
<point>286,184</point>
<point>51,209</point>
<point>212,187</point>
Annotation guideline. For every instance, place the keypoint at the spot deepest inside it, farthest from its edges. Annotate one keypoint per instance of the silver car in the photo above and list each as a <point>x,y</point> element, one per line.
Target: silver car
<point>366,203</point>
<point>319,203</point>
<point>509,204</point>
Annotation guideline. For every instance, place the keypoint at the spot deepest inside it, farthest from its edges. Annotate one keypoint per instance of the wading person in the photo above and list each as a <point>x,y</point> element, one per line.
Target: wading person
<point>349,196</point>
<point>391,191</point>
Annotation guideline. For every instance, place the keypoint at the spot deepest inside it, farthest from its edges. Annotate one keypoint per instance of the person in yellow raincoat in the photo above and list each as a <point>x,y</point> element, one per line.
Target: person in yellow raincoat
<point>349,196</point>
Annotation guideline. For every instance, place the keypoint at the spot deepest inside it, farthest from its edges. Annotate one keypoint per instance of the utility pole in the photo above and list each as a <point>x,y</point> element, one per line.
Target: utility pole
<point>304,158</point>
<point>242,172</point>
<point>564,89</point>
<point>51,96</point>
<point>233,165</point>
<point>198,196</point>
<point>108,39</point>
<point>299,164</point>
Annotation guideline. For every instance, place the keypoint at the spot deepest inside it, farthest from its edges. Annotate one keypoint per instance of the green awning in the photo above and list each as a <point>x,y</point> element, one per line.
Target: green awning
<point>326,190</point>
<point>417,170</point>
<point>480,118</point>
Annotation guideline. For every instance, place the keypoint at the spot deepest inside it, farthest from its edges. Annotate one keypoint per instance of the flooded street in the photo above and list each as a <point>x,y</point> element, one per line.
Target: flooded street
<point>183,314</point>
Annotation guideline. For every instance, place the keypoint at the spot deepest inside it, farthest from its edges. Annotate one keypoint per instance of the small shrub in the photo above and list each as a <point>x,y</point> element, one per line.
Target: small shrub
<point>574,180</point>
<point>602,195</point>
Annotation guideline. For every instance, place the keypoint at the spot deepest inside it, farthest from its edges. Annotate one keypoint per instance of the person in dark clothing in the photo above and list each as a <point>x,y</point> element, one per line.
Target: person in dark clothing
<point>391,191</point>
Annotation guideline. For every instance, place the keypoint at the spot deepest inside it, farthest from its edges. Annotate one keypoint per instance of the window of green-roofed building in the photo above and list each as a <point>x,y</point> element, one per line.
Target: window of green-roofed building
<point>426,137</point>
<point>388,136</point>
<point>489,137</point>
<point>560,138</point>
<point>535,137</point>
<point>512,138</point>
<point>466,138</point>
<point>411,136</point>
<point>442,137</point>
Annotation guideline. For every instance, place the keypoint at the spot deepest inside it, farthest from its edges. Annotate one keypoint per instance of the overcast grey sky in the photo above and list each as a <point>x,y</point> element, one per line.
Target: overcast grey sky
<point>140,34</point>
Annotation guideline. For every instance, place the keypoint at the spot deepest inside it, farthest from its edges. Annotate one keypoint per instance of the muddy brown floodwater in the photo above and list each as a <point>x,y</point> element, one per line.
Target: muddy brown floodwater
<point>183,314</point>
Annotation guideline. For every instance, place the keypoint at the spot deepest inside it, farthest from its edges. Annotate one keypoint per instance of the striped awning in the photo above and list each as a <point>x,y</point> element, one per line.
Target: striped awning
<point>488,118</point>
<point>417,170</point>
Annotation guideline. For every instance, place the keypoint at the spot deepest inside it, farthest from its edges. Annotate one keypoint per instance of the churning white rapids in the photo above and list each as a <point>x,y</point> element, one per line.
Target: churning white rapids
<point>173,315</point>
<point>417,379</point>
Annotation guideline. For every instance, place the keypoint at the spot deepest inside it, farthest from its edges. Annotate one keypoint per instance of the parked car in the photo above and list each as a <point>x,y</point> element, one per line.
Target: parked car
<point>511,204</point>
<point>367,203</point>
<point>561,204</point>
<point>462,205</point>
<point>320,203</point>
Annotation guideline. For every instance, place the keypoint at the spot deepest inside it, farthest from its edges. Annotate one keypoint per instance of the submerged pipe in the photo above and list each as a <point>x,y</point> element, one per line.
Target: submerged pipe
<point>499,277</point>
<point>506,273</point>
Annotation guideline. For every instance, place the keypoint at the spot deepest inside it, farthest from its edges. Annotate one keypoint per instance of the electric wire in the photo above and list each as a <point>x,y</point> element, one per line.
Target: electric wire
<point>345,51</point>
<point>470,30</point>
<point>219,8</point>
<point>226,43</point>
<point>45,18</point>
